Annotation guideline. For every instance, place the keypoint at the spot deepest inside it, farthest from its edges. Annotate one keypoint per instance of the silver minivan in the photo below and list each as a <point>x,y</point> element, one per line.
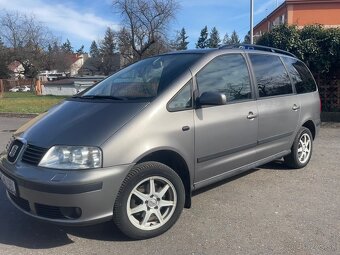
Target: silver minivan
<point>133,147</point>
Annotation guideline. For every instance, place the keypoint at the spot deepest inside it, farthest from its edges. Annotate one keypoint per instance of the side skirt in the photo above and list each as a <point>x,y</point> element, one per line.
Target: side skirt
<point>239,170</point>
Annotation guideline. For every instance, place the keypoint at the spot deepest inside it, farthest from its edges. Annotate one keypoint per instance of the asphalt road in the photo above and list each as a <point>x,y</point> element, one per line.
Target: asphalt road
<point>269,210</point>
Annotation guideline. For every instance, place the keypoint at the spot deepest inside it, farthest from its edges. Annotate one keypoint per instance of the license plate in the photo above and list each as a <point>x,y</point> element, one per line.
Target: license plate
<point>9,183</point>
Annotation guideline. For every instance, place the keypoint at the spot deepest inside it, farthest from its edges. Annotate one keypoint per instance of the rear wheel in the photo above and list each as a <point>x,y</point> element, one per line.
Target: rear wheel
<point>150,201</point>
<point>301,149</point>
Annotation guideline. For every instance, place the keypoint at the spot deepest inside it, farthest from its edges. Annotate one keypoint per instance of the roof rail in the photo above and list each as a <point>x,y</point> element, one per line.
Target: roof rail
<point>256,47</point>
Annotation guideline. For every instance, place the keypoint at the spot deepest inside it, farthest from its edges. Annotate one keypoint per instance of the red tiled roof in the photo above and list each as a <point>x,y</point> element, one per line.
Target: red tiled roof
<point>12,66</point>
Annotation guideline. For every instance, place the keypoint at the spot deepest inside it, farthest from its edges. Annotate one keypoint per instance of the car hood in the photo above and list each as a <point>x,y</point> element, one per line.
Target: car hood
<point>79,122</point>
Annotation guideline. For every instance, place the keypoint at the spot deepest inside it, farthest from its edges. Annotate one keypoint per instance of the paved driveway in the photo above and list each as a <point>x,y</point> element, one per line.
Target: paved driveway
<point>269,210</point>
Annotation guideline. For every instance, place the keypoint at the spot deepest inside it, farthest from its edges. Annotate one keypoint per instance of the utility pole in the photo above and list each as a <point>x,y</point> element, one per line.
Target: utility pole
<point>251,21</point>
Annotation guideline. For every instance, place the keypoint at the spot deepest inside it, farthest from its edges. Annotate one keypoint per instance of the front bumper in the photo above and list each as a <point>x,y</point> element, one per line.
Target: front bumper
<point>45,193</point>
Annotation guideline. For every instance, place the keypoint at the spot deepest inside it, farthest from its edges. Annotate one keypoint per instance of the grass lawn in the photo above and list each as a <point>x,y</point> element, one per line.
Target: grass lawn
<point>27,102</point>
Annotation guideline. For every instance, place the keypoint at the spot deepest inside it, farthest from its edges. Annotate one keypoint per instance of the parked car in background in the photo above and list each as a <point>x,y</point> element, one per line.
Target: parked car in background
<point>15,89</point>
<point>25,89</point>
<point>134,147</point>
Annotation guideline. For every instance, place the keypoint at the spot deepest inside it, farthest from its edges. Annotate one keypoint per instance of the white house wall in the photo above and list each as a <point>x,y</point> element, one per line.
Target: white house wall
<point>65,90</point>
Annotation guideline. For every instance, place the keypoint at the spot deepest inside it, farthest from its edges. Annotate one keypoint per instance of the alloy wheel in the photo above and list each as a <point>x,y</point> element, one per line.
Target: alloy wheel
<point>151,203</point>
<point>304,148</point>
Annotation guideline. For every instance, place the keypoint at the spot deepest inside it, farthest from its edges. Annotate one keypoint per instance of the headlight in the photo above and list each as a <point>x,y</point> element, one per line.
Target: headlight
<point>72,157</point>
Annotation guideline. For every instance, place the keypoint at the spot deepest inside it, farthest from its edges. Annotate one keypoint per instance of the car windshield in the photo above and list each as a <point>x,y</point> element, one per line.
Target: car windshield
<point>145,79</point>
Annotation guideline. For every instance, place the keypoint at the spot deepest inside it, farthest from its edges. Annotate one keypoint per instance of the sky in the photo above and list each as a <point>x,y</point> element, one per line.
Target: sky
<point>82,21</point>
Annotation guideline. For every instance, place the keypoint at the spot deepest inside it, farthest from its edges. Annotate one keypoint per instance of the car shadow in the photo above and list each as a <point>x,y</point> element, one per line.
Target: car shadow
<point>277,165</point>
<point>222,182</point>
<point>20,230</point>
<point>106,231</point>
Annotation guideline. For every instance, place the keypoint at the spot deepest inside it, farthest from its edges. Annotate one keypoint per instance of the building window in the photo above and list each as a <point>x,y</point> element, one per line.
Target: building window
<point>282,19</point>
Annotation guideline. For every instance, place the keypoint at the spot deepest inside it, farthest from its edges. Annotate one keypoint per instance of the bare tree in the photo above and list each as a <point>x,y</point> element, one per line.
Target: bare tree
<point>26,38</point>
<point>4,72</point>
<point>124,45</point>
<point>145,21</point>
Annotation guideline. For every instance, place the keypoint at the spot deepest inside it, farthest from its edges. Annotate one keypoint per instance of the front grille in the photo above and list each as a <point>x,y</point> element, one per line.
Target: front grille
<point>14,150</point>
<point>33,154</point>
<point>48,211</point>
<point>20,202</point>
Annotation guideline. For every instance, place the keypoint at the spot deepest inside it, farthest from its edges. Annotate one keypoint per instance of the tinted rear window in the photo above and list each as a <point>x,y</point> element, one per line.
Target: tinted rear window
<point>271,75</point>
<point>300,76</point>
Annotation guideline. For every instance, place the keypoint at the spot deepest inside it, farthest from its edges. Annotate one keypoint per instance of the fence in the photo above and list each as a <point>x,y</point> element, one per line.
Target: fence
<point>329,90</point>
<point>10,83</point>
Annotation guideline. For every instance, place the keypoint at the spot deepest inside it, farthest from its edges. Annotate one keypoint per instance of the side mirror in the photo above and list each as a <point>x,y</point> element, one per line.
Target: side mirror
<point>212,98</point>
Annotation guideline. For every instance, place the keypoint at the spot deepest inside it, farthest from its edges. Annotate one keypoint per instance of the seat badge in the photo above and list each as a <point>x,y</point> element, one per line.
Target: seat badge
<point>13,150</point>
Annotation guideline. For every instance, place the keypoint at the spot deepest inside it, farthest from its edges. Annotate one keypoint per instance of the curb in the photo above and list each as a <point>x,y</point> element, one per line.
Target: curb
<point>330,124</point>
<point>18,115</point>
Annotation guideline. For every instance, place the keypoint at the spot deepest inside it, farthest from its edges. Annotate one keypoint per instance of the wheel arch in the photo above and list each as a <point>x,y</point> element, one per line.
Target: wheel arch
<point>176,162</point>
<point>311,126</point>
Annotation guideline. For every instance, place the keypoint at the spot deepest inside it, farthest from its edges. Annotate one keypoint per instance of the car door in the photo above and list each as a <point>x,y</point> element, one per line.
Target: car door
<point>278,105</point>
<point>225,135</point>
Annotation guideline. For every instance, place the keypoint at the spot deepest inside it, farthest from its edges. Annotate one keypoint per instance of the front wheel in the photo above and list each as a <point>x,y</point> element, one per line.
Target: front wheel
<point>301,149</point>
<point>150,201</point>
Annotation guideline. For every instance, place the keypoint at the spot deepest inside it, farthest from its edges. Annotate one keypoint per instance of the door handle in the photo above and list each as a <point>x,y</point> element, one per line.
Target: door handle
<point>251,116</point>
<point>295,107</point>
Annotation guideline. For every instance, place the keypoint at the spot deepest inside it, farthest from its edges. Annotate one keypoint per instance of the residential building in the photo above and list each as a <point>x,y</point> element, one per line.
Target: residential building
<point>78,61</point>
<point>17,70</point>
<point>301,13</point>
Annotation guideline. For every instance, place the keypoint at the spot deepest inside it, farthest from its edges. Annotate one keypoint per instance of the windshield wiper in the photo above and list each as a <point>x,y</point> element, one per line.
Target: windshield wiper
<point>100,97</point>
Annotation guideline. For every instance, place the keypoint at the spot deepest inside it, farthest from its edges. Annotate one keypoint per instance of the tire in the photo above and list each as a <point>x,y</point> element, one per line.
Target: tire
<point>142,212</point>
<point>295,159</point>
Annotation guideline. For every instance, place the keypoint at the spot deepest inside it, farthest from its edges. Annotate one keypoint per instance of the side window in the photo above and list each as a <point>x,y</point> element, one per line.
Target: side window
<point>271,75</point>
<point>301,77</point>
<point>227,74</point>
<point>183,99</point>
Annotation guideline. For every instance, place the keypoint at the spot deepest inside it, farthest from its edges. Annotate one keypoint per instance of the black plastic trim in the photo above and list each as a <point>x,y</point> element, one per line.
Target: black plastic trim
<point>275,137</point>
<point>20,202</point>
<point>225,153</point>
<point>62,189</point>
<point>241,148</point>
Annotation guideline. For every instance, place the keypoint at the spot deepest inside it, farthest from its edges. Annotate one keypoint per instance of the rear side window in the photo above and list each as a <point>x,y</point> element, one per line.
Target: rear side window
<point>271,75</point>
<point>300,76</point>
<point>227,74</point>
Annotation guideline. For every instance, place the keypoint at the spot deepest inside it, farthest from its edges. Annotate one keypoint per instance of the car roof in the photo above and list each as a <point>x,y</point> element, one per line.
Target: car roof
<point>243,47</point>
